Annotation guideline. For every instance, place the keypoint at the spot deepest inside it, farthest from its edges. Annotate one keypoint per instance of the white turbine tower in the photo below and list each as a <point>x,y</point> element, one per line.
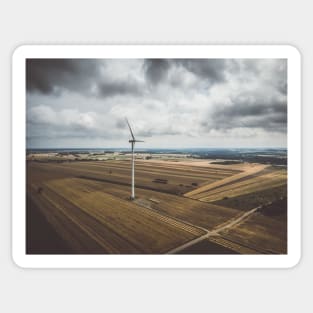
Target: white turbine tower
<point>132,141</point>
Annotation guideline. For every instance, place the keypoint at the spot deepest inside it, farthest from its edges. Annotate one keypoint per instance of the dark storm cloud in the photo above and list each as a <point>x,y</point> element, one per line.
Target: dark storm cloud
<point>85,76</point>
<point>91,77</point>
<point>251,105</point>
<point>212,70</point>
<point>250,111</point>
<point>54,75</point>
<point>109,89</point>
<point>161,97</point>
<point>156,70</point>
<point>261,101</point>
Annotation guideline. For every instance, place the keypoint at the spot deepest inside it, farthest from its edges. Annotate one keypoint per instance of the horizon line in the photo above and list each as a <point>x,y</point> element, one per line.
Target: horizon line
<point>149,148</point>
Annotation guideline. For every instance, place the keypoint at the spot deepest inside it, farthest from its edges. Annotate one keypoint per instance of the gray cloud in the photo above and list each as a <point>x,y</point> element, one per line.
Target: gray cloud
<point>54,75</point>
<point>110,89</point>
<point>84,76</point>
<point>270,71</point>
<point>250,111</point>
<point>212,70</point>
<point>192,100</point>
<point>156,70</point>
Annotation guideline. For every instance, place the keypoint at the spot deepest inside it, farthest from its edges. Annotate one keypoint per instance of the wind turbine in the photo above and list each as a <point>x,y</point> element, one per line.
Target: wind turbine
<point>132,141</point>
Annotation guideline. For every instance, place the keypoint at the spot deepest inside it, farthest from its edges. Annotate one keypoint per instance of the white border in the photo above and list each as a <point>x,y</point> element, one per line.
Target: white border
<point>156,261</point>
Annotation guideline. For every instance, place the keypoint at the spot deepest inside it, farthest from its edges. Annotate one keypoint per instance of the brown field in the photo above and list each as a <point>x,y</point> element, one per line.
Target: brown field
<point>111,224</point>
<point>260,233</point>
<point>245,172</point>
<point>194,205</point>
<point>241,184</point>
<point>254,199</point>
<point>161,177</point>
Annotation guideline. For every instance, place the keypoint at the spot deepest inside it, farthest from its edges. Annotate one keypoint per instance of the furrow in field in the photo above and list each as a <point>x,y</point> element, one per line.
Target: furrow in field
<point>190,167</point>
<point>145,229</point>
<point>250,183</point>
<point>242,191</point>
<point>227,180</point>
<point>94,229</point>
<point>71,232</point>
<point>151,170</point>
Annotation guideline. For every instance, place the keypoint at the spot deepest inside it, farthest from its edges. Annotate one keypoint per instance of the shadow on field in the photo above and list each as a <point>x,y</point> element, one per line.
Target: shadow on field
<point>41,238</point>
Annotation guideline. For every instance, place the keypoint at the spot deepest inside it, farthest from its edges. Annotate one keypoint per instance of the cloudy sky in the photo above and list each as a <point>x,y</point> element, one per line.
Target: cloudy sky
<point>82,103</point>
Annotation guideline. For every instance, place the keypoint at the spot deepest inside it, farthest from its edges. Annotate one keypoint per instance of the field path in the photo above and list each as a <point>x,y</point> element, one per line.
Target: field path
<point>231,223</point>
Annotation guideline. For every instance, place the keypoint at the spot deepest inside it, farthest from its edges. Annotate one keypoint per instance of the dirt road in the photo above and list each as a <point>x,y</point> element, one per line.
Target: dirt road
<point>231,223</point>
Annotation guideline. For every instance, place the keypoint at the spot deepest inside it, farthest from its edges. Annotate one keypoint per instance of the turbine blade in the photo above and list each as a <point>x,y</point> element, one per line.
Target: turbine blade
<point>131,132</point>
<point>139,141</point>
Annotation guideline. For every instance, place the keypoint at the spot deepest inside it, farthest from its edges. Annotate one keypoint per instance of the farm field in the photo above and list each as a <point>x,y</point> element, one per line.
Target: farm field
<point>98,222</point>
<point>253,199</point>
<point>245,173</point>
<point>180,207</point>
<point>261,233</point>
<point>241,184</point>
<point>161,177</point>
<point>191,211</point>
